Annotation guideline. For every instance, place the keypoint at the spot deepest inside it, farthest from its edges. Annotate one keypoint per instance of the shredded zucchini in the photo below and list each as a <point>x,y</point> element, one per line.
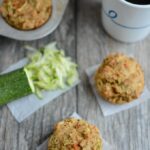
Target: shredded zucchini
<point>49,69</point>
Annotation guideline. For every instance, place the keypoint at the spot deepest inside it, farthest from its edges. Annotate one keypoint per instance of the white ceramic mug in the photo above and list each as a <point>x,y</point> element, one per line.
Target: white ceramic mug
<point>125,21</point>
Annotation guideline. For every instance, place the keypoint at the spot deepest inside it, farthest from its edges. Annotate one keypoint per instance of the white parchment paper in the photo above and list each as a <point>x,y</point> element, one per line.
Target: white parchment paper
<point>108,108</point>
<point>24,107</point>
<point>44,145</point>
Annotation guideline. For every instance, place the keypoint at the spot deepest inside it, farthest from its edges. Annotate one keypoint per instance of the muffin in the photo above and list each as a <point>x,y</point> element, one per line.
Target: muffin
<point>26,14</point>
<point>119,79</point>
<point>75,134</point>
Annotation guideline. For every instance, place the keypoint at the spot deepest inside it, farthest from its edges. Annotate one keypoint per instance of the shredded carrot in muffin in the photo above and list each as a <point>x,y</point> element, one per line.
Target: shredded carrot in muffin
<point>74,134</point>
<point>26,14</point>
<point>119,79</point>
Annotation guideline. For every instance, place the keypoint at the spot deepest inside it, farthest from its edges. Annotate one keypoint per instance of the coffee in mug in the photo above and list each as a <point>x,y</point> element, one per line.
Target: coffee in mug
<point>139,2</point>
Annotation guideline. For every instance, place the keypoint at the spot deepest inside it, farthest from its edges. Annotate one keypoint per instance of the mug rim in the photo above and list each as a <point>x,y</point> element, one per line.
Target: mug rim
<point>135,5</point>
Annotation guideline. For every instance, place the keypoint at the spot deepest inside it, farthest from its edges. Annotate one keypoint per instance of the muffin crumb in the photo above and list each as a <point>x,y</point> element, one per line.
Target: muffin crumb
<point>119,79</point>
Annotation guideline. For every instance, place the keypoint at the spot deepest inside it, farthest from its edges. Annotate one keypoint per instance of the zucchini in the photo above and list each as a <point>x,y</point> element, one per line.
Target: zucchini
<point>13,85</point>
<point>47,69</point>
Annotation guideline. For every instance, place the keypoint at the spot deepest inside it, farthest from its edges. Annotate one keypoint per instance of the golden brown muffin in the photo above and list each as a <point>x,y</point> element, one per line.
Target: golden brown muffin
<point>26,14</point>
<point>119,79</point>
<point>75,134</point>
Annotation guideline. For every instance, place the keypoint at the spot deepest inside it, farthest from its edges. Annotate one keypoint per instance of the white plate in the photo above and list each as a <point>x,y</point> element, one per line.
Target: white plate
<point>59,7</point>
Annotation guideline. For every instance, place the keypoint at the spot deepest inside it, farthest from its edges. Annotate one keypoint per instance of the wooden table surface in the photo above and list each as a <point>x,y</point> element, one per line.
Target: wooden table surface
<point>82,36</point>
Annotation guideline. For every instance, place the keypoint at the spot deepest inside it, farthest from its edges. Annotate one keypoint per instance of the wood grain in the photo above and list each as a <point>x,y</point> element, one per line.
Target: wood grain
<point>82,36</point>
<point>34,130</point>
<point>128,130</point>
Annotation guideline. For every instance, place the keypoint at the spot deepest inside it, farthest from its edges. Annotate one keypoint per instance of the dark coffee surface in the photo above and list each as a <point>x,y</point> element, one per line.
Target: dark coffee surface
<point>139,2</point>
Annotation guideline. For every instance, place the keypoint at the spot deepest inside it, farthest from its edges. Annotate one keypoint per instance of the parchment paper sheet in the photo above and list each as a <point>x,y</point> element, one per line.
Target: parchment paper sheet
<point>108,108</point>
<point>24,107</point>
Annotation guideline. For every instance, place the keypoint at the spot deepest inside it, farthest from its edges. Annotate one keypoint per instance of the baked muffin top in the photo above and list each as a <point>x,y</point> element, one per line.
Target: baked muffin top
<point>75,134</point>
<point>26,14</point>
<point>119,79</point>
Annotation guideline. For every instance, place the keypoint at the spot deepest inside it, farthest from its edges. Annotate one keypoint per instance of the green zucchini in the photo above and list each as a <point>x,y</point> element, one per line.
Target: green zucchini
<point>13,85</point>
<point>47,69</point>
